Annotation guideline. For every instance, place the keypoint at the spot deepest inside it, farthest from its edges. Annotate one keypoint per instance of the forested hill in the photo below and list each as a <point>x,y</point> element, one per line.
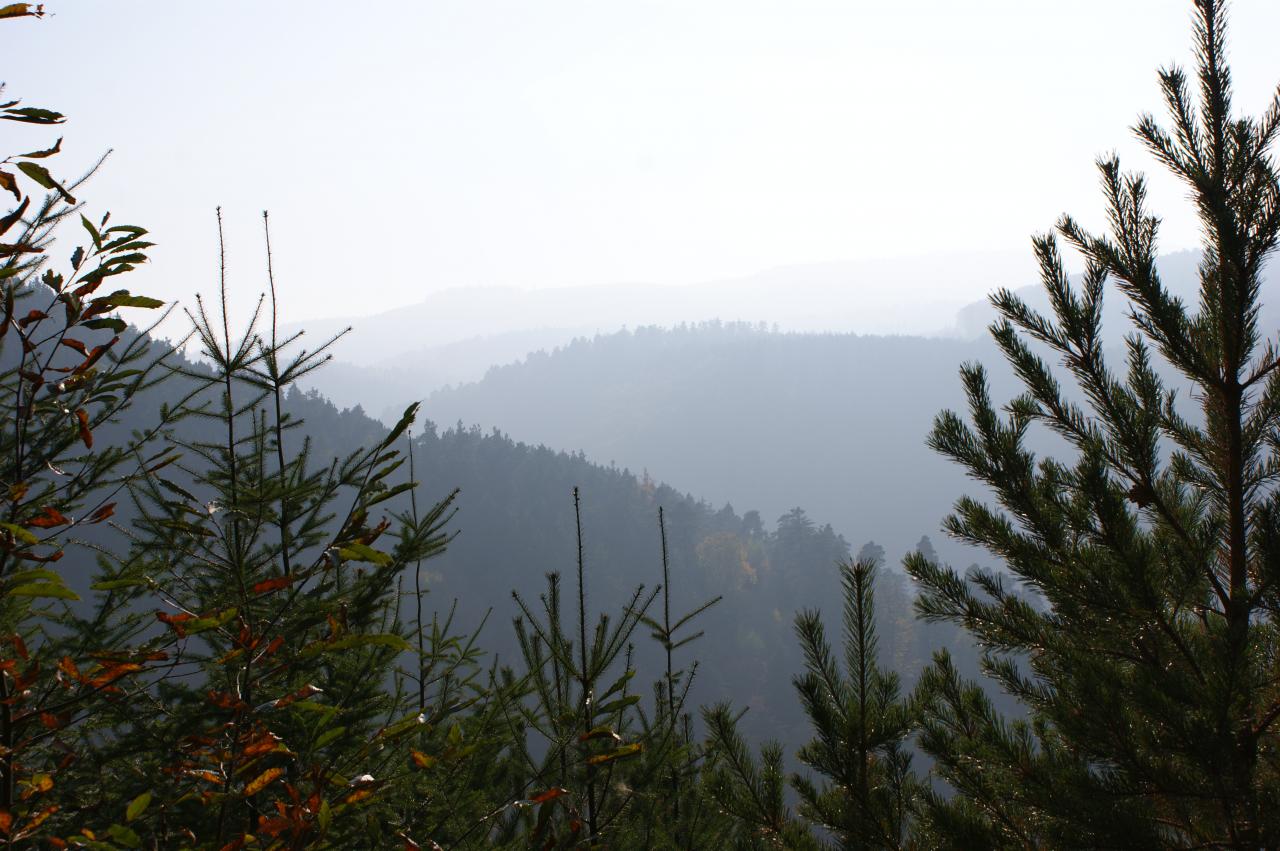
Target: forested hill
<point>834,422</point>
<point>515,524</point>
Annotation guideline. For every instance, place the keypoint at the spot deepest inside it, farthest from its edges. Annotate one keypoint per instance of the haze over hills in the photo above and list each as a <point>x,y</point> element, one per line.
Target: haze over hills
<point>762,417</point>
<point>881,296</point>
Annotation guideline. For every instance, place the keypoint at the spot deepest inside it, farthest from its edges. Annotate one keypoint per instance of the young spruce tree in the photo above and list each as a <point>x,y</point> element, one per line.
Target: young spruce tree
<point>1149,674</point>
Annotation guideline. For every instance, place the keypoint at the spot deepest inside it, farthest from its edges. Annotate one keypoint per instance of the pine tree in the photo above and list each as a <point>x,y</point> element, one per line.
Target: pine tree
<point>861,725</point>
<point>1136,620</point>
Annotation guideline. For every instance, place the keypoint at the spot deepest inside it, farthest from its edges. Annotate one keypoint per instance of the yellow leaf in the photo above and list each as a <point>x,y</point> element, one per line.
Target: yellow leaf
<point>260,782</point>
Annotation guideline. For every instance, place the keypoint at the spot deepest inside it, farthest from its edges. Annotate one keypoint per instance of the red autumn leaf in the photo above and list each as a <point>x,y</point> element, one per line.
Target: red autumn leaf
<point>301,694</point>
<point>103,513</point>
<point>33,316</point>
<point>268,585</point>
<point>6,821</point>
<point>113,673</point>
<point>72,343</point>
<point>224,700</point>
<point>48,518</point>
<point>273,826</point>
<point>549,795</point>
<point>30,556</point>
<point>85,435</point>
<point>264,743</point>
<point>175,621</point>
<point>95,354</point>
<point>19,646</point>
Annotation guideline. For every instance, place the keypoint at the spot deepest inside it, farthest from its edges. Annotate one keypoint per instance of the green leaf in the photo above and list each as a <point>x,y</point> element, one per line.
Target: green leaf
<point>122,298</point>
<point>616,705</point>
<point>356,551</point>
<point>31,114</point>
<point>382,639</point>
<point>133,230</point>
<point>41,175</point>
<point>619,683</point>
<point>116,584</point>
<point>124,836</point>
<point>406,420</point>
<point>329,735</point>
<point>136,806</point>
<point>113,323</point>
<point>391,492</point>
<point>19,533</point>
<point>93,232</point>
<point>325,816</point>
<point>37,575</point>
<point>43,589</point>
<point>203,624</point>
<point>617,753</point>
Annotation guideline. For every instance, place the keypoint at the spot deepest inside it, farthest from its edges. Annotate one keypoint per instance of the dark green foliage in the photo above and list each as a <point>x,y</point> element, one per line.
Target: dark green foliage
<point>1137,620</point>
<point>860,724</point>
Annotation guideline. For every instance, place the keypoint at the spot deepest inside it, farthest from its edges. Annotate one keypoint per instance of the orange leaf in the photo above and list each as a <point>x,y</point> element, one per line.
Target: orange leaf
<point>113,673</point>
<point>261,782</point>
<point>39,818</point>
<point>6,821</point>
<point>204,774</point>
<point>48,518</point>
<point>103,513</point>
<point>301,694</point>
<point>273,826</point>
<point>359,795</point>
<point>421,759</point>
<point>69,668</point>
<point>276,584</point>
<point>85,435</point>
<point>175,621</point>
<point>265,743</point>
<point>549,795</point>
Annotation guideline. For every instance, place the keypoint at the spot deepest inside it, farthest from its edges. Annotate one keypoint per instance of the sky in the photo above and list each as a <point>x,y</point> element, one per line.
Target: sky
<point>408,147</point>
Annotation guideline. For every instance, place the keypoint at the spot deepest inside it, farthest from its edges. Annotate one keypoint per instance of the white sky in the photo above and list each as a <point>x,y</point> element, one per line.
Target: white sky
<point>405,147</point>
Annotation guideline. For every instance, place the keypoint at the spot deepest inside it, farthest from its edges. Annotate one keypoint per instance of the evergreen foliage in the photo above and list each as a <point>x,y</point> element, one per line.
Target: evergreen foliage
<point>1146,654</point>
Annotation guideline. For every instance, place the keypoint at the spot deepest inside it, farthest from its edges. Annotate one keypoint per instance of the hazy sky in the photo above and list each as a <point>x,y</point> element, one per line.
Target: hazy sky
<point>405,147</point>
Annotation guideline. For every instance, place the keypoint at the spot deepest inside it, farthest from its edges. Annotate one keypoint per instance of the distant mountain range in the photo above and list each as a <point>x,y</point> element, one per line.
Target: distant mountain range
<point>889,296</point>
<point>734,411</point>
